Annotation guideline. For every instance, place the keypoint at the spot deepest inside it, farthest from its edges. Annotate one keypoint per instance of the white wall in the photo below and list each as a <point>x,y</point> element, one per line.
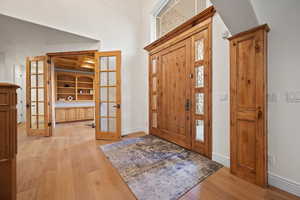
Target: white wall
<point>238,15</point>
<point>284,70</point>
<point>115,24</point>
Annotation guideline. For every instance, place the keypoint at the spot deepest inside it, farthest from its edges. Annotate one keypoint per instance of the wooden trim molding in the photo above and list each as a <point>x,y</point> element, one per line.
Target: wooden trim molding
<point>205,14</point>
<point>71,53</point>
<point>3,84</point>
<point>264,26</point>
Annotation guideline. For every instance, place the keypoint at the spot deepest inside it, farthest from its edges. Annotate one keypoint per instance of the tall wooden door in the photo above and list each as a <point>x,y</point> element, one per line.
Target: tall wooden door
<point>108,95</point>
<point>201,92</point>
<point>38,91</point>
<point>248,94</point>
<point>174,98</point>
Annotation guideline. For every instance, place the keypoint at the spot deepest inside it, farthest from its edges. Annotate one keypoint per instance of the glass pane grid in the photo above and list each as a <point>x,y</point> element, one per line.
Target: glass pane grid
<point>107,91</point>
<point>199,49</point>
<point>199,103</point>
<point>199,74</point>
<point>199,126</point>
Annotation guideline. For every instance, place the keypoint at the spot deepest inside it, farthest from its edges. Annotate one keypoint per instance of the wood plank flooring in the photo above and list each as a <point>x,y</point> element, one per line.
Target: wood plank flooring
<point>69,166</point>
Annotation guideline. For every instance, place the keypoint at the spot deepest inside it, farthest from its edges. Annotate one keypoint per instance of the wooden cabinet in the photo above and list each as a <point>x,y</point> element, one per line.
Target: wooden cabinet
<point>248,105</point>
<point>180,84</point>
<point>71,114</point>
<point>8,141</point>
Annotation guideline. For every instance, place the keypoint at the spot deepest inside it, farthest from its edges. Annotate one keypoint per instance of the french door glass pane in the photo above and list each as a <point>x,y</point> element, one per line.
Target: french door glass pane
<point>103,79</point>
<point>40,80</point>
<point>103,63</point>
<point>111,124</point>
<point>33,108</point>
<point>103,94</point>
<point>111,78</point>
<point>103,109</point>
<point>40,94</point>
<point>33,67</point>
<point>41,108</point>
<point>103,125</point>
<point>199,50</point>
<point>33,95</point>
<point>199,103</point>
<point>112,63</point>
<point>112,94</point>
<point>199,130</point>
<point>40,67</point>
<point>112,109</point>
<point>33,81</point>
<point>199,71</point>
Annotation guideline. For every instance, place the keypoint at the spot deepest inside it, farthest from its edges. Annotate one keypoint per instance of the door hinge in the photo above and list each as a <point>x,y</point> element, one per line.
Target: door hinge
<point>49,61</point>
<point>50,124</point>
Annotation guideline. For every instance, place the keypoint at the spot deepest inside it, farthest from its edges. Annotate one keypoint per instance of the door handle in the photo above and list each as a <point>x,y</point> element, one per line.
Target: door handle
<point>259,114</point>
<point>118,106</point>
<point>187,105</point>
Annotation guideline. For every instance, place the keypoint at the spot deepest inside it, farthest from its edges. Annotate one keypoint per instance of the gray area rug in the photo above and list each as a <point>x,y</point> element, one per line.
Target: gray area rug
<point>156,169</point>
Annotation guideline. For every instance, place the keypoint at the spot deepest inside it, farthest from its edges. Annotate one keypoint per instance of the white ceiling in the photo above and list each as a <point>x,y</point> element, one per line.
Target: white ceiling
<point>14,32</point>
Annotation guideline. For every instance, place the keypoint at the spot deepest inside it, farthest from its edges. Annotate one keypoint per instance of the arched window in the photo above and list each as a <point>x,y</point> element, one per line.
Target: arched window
<point>175,12</point>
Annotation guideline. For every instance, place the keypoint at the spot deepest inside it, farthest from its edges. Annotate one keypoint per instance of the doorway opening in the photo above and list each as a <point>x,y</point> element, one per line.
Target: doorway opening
<point>70,87</point>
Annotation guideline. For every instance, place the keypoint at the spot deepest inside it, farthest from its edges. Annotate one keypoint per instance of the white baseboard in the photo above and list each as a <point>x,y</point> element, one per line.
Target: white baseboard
<point>134,130</point>
<point>224,160</point>
<point>284,184</point>
<point>273,179</point>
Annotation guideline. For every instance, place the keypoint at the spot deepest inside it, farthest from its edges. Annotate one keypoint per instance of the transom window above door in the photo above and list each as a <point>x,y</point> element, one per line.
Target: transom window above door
<point>176,12</point>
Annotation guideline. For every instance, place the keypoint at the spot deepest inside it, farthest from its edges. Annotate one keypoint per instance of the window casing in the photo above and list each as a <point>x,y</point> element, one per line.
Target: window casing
<point>176,12</point>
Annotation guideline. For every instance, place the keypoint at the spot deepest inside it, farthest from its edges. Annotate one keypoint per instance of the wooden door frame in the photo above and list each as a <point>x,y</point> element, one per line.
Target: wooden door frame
<point>50,57</point>
<point>160,45</point>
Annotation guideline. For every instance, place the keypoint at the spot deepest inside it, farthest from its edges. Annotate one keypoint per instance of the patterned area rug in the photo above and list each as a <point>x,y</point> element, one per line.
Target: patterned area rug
<point>156,169</point>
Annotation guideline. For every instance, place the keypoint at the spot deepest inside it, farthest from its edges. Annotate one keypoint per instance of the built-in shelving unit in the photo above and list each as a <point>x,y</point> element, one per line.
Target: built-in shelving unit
<point>74,86</point>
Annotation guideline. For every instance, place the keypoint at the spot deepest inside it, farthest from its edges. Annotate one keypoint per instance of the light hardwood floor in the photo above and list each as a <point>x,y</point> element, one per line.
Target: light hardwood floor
<point>70,166</point>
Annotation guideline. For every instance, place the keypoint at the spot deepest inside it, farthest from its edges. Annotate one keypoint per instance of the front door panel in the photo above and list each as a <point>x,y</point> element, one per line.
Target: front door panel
<point>173,118</point>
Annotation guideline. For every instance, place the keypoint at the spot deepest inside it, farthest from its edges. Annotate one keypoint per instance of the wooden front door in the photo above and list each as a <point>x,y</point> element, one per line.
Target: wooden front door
<point>108,95</point>
<point>248,110</point>
<point>201,93</point>
<point>174,97</point>
<point>38,120</point>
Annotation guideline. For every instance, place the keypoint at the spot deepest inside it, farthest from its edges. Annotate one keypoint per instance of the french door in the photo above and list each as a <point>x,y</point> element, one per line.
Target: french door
<point>38,120</point>
<point>108,95</point>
